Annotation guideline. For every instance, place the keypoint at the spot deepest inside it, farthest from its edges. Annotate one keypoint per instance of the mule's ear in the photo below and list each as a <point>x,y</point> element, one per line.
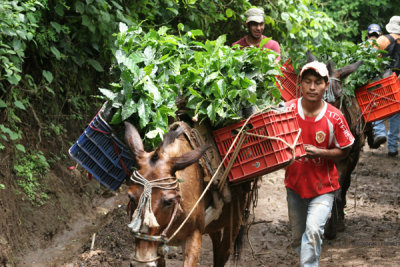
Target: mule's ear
<point>187,159</point>
<point>331,67</point>
<point>170,137</point>
<point>346,71</point>
<point>310,57</point>
<point>133,139</point>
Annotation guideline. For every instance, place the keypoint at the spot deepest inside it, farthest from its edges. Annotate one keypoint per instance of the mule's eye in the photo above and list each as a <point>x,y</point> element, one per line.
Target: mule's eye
<point>167,202</point>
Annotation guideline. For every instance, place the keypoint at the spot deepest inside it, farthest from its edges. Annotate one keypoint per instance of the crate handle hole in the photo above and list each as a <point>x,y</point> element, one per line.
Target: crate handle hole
<point>374,87</point>
<point>237,130</point>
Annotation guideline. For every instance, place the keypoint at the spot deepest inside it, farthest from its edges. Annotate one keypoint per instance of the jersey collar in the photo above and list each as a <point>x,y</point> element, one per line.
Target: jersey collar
<point>301,111</point>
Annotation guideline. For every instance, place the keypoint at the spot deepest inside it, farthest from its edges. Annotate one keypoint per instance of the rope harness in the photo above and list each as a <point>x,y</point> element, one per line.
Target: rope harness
<point>144,203</point>
<point>150,220</point>
<point>329,96</point>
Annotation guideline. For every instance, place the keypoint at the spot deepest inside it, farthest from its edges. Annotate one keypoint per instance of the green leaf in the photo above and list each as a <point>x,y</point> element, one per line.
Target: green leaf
<point>175,66</point>
<point>149,69</point>
<point>48,75</point>
<point>79,7</point>
<point>56,26</point>
<point>211,77</point>
<point>55,52</point>
<point>108,93</point>
<point>150,87</point>
<point>19,105</point>
<point>211,111</point>
<point>86,21</point>
<point>229,13</point>
<point>128,109</point>
<point>20,148</point>
<point>2,186</point>
<point>59,9</point>
<point>14,79</point>
<point>117,118</point>
<point>154,133</point>
<point>2,104</point>
<point>143,110</point>
<point>95,64</point>
<point>193,92</point>
<point>13,136</point>
<point>4,137</point>
<point>264,42</point>
<point>285,16</point>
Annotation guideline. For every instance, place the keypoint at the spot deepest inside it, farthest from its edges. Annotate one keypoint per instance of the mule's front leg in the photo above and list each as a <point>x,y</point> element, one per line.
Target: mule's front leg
<point>193,249</point>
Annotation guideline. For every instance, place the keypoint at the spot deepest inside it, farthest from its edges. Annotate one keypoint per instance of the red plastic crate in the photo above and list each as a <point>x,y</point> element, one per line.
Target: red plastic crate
<point>379,99</point>
<point>259,156</point>
<point>289,87</point>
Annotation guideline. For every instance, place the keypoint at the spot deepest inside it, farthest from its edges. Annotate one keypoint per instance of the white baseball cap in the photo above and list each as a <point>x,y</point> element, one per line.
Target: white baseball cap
<point>255,14</point>
<point>319,67</point>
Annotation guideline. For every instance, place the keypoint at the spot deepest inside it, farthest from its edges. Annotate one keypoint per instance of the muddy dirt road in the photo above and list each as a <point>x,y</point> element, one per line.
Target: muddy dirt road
<point>371,237</point>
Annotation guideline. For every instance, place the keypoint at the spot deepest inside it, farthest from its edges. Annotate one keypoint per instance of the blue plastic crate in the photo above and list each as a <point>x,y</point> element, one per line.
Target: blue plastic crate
<point>102,154</point>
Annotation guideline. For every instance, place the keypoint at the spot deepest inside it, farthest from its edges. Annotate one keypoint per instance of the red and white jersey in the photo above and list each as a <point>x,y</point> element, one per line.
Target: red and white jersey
<point>312,177</point>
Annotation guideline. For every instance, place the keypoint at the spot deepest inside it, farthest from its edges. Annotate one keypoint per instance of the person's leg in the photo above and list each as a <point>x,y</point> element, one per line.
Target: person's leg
<point>393,134</point>
<point>319,209</point>
<point>297,210</point>
<point>379,133</point>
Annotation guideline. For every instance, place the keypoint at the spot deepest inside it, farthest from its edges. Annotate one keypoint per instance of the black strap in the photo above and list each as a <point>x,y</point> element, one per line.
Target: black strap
<point>391,39</point>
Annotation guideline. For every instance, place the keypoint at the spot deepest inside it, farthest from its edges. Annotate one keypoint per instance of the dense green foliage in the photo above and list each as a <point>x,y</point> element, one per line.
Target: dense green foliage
<point>354,16</point>
<point>344,53</point>
<point>217,80</point>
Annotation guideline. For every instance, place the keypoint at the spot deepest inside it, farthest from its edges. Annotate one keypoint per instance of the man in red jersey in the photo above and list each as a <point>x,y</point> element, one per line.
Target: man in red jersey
<point>255,25</point>
<point>311,181</point>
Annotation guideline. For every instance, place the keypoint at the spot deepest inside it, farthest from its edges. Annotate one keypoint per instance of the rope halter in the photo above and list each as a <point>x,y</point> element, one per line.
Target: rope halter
<point>329,96</point>
<point>144,203</point>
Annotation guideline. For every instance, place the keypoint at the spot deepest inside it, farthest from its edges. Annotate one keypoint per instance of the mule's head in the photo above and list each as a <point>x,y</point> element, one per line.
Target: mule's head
<point>336,76</point>
<point>154,194</point>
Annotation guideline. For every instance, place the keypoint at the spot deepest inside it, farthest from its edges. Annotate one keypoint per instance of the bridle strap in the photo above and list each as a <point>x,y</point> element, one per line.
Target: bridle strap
<point>335,79</point>
<point>145,199</point>
<point>153,238</point>
<point>164,233</point>
<point>145,261</point>
<point>145,202</point>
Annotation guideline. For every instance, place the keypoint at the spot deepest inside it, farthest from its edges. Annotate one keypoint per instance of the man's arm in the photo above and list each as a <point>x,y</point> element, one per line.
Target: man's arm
<point>333,153</point>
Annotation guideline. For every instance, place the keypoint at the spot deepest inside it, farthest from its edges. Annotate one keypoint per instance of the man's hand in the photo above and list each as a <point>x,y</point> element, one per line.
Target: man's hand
<point>312,151</point>
<point>332,153</point>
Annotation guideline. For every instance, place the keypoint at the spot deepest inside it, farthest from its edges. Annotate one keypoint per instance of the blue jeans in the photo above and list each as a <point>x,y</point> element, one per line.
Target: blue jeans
<point>307,219</point>
<point>393,133</point>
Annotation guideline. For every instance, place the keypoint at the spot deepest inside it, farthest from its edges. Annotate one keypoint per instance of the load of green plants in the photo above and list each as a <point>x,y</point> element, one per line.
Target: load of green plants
<point>156,68</point>
<point>345,53</point>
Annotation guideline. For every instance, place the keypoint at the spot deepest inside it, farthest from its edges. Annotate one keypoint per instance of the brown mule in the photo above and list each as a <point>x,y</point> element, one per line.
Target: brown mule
<point>167,184</point>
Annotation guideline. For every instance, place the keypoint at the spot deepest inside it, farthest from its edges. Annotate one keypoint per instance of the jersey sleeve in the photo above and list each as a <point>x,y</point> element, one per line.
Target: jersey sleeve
<point>342,134</point>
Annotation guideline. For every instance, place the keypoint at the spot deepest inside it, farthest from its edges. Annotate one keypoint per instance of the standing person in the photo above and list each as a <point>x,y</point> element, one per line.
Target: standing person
<point>311,181</point>
<point>390,43</point>
<point>374,32</point>
<point>255,25</point>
